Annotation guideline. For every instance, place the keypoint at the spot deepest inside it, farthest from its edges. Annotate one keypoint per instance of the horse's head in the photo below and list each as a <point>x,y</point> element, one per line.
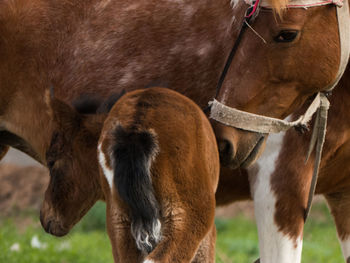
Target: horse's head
<point>72,160</point>
<point>281,61</point>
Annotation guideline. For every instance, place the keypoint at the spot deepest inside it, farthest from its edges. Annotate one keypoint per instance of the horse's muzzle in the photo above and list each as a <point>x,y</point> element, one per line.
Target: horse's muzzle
<point>237,148</point>
<point>52,226</point>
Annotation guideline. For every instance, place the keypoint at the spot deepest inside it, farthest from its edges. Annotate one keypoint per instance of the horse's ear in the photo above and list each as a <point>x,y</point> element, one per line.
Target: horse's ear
<point>66,118</point>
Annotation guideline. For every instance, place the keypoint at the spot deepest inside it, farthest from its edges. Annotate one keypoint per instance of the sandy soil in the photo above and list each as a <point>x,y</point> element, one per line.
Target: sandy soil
<point>18,158</point>
<point>22,188</point>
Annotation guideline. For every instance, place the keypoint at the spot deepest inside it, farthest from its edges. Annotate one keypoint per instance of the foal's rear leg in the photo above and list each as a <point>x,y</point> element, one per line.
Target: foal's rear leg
<point>185,232</point>
<point>339,204</point>
<point>206,251</point>
<point>123,244</point>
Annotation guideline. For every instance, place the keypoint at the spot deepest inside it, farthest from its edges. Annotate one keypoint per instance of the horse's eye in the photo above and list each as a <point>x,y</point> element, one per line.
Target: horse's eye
<point>286,36</point>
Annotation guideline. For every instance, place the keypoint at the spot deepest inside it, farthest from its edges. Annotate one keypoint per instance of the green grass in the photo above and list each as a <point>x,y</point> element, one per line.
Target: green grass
<point>88,242</point>
<point>237,241</point>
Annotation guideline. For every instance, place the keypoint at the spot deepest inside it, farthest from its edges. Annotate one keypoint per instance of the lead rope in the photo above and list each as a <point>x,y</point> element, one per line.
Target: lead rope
<point>322,114</point>
<point>318,139</point>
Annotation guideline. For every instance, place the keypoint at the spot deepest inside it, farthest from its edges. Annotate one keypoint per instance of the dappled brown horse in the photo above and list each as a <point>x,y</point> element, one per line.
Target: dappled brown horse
<point>97,47</point>
<point>276,71</point>
<point>160,169</point>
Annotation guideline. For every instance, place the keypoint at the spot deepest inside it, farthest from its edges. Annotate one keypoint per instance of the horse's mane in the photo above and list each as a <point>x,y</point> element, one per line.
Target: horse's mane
<point>277,5</point>
<point>107,105</point>
<point>93,104</point>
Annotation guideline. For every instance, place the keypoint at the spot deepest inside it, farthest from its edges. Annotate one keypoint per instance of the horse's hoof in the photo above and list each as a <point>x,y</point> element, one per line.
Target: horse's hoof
<point>257,261</point>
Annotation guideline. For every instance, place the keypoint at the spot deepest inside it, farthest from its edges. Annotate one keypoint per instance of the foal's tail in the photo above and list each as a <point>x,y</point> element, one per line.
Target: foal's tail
<point>132,154</point>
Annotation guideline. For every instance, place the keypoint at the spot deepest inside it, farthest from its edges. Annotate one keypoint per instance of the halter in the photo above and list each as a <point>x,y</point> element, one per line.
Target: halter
<point>320,105</point>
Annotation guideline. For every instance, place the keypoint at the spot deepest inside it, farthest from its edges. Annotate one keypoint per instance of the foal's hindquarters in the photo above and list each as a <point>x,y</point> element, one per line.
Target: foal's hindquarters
<point>160,169</point>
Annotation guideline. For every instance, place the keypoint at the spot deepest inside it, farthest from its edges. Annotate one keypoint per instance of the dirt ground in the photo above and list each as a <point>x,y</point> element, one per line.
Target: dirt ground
<point>22,188</point>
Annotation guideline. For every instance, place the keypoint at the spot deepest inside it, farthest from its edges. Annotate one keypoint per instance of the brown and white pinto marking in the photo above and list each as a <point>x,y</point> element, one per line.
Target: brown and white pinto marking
<point>160,170</point>
<point>90,46</point>
<point>276,79</point>
<point>96,48</point>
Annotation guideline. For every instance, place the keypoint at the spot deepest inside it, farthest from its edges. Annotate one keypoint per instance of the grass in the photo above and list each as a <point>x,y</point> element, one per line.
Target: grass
<point>237,241</point>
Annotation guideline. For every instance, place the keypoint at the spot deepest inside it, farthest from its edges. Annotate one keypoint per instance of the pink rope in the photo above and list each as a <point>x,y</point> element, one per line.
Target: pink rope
<point>254,9</point>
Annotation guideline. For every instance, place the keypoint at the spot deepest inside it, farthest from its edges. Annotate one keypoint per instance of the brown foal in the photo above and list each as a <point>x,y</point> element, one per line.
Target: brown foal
<point>160,169</point>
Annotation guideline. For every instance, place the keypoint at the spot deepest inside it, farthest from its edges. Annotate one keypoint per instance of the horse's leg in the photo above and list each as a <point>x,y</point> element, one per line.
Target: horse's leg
<point>206,251</point>
<point>335,182</point>
<point>119,231</point>
<point>185,227</point>
<point>339,205</point>
<point>280,190</point>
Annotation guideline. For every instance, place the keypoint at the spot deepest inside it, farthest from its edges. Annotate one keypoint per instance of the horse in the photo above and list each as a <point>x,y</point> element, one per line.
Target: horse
<point>95,48</point>
<point>287,52</point>
<point>72,45</point>
<point>159,167</point>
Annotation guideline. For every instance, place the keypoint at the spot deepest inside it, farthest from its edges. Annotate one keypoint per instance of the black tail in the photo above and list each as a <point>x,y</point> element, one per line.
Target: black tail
<point>132,154</point>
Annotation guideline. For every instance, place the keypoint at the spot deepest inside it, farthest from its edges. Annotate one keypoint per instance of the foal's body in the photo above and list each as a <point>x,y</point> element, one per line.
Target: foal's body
<point>160,168</point>
<point>161,151</point>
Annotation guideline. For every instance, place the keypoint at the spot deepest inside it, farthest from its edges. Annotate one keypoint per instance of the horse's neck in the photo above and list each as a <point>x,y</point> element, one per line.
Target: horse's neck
<point>27,118</point>
<point>339,110</point>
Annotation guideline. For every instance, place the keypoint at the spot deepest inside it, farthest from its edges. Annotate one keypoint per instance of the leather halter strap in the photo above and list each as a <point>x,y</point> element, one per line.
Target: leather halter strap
<point>262,124</point>
<point>300,3</point>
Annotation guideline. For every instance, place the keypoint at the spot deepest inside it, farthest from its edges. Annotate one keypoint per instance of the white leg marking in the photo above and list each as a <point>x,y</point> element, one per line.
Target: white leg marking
<point>108,173</point>
<point>149,261</point>
<point>345,247</point>
<point>275,247</point>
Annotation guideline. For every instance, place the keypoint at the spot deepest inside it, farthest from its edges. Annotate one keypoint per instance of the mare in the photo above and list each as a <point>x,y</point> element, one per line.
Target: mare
<point>292,54</point>
<point>159,168</point>
<point>96,48</point>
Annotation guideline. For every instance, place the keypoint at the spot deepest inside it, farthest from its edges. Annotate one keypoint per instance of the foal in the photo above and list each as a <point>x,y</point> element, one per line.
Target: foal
<point>160,169</point>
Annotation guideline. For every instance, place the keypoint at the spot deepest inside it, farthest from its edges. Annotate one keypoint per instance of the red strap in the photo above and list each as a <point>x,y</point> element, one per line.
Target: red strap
<point>255,7</point>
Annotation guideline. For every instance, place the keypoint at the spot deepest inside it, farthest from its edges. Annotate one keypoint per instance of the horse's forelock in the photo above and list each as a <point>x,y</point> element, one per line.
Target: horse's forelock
<point>278,5</point>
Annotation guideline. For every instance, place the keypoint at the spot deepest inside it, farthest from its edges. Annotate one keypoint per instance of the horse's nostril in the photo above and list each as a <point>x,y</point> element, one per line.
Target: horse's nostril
<point>225,152</point>
<point>48,227</point>
<point>225,148</point>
